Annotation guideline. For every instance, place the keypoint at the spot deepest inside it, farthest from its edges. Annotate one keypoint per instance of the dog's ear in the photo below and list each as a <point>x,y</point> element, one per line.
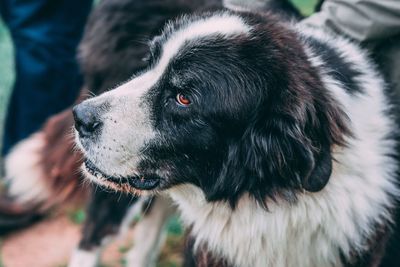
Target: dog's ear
<point>285,156</point>
<point>270,158</point>
<point>320,173</point>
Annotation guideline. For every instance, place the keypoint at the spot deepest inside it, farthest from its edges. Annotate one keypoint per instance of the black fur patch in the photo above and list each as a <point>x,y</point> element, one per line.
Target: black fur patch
<point>338,67</point>
<point>104,217</point>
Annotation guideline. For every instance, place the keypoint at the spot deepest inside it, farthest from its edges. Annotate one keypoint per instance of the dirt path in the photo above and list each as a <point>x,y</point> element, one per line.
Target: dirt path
<point>50,243</point>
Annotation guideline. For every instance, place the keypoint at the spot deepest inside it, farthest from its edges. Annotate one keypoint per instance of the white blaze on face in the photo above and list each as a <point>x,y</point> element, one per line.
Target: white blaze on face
<point>126,119</point>
<point>126,128</point>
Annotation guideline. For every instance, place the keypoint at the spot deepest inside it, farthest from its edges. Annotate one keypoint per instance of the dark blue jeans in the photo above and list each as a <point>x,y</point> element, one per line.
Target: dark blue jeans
<point>45,34</point>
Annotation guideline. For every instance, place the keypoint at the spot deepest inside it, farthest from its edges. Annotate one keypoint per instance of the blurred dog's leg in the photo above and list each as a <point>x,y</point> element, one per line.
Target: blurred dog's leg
<point>106,215</point>
<point>150,233</point>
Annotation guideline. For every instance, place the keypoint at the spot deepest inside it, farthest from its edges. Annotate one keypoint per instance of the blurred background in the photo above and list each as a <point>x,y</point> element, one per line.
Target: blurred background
<point>49,243</point>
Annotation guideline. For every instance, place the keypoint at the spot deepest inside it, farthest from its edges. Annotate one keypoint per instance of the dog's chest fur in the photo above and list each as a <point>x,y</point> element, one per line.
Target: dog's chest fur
<point>320,229</point>
<point>313,232</point>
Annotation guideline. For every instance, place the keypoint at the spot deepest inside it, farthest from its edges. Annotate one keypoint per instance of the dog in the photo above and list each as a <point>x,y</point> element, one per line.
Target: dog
<point>278,142</point>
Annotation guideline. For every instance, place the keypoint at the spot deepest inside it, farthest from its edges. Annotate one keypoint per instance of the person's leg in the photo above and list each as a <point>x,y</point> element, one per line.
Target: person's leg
<point>284,8</point>
<point>45,35</point>
<point>245,4</point>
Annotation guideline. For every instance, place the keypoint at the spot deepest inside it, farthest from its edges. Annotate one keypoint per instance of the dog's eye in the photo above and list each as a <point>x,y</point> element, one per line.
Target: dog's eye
<point>183,100</point>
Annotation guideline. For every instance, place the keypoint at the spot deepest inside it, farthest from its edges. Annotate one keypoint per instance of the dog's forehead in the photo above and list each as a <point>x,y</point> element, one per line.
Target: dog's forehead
<point>175,37</point>
<point>189,29</point>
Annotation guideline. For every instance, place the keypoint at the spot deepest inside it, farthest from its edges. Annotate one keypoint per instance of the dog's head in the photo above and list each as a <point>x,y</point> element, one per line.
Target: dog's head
<point>229,103</point>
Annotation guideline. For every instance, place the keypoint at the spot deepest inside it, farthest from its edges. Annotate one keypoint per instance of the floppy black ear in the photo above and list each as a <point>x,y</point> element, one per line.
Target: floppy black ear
<point>284,156</point>
<point>271,159</point>
<point>320,173</point>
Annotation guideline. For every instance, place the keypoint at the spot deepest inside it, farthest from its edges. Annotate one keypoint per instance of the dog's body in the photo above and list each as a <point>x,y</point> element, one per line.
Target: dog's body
<point>277,142</point>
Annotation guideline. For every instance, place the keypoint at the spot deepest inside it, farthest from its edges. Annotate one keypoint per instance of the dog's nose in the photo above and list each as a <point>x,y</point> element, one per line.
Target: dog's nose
<point>86,119</point>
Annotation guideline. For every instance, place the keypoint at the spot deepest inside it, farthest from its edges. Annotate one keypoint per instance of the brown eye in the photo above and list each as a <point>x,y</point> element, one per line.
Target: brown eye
<point>182,100</point>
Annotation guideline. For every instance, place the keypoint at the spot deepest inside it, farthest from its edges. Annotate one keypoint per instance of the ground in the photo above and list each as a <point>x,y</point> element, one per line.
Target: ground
<point>49,243</point>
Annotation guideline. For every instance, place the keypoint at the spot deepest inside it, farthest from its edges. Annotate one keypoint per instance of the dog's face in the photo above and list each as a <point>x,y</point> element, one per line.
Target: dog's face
<point>218,107</point>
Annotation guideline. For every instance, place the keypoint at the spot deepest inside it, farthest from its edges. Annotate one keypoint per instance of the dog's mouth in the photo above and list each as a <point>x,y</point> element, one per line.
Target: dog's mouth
<point>130,184</point>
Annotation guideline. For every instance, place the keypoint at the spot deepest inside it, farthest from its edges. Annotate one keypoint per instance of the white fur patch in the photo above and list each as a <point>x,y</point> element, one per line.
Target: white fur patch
<point>24,173</point>
<point>126,129</point>
<point>314,231</point>
<point>223,24</point>
<point>83,258</point>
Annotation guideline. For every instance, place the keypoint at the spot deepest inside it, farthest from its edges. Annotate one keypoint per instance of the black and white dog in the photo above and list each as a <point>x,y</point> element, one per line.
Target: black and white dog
<point>277,142</point>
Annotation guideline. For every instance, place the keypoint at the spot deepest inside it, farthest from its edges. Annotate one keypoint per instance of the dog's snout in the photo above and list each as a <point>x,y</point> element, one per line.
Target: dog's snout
<point>86,118</point>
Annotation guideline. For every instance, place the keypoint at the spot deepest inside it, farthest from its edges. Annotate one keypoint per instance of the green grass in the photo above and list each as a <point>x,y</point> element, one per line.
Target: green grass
<point>306,6</point>
<point>77,216</point>
<point>6,71</point>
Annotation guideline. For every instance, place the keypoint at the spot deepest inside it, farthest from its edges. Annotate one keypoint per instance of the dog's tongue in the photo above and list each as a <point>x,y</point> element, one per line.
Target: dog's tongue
<point>144,183</point>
